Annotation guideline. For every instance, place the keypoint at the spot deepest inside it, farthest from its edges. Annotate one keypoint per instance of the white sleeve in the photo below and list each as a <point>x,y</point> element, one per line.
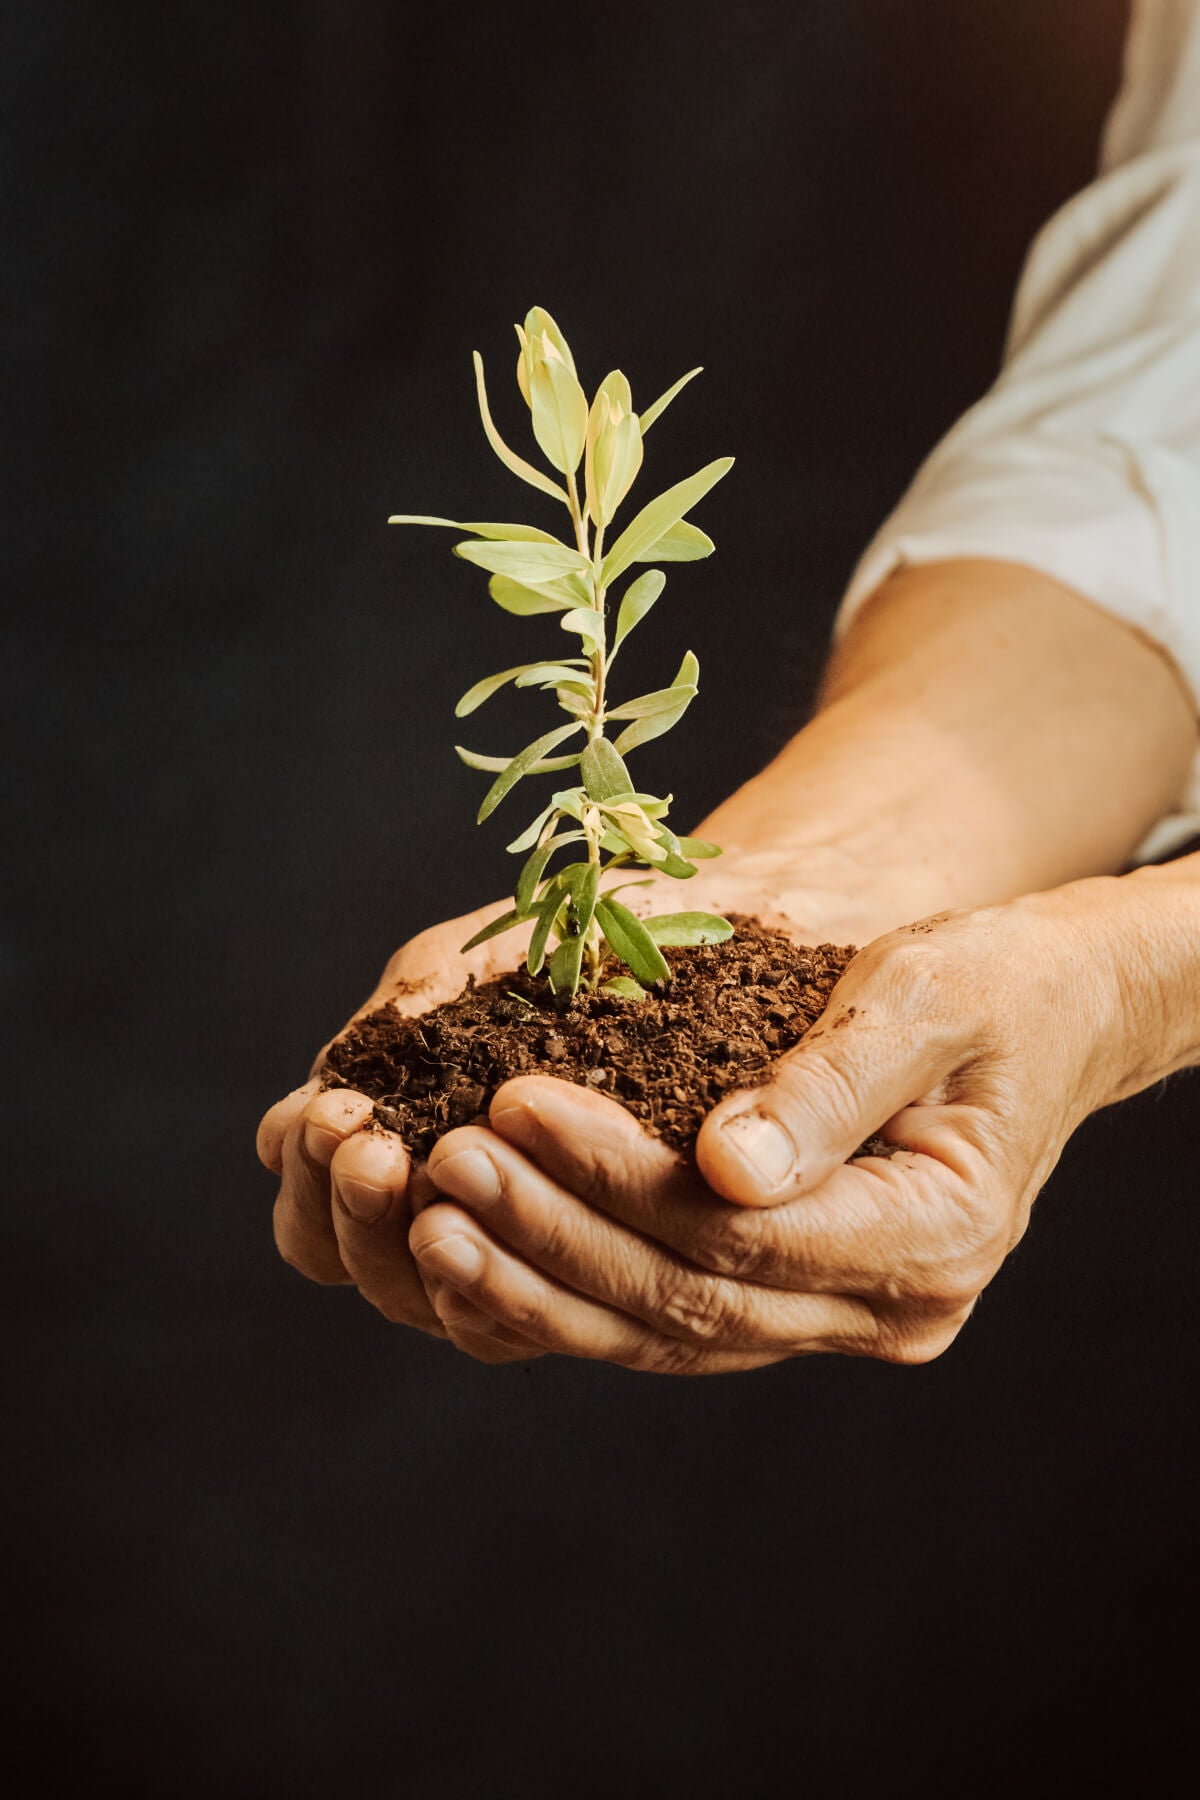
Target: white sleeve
<point>1083,460</point>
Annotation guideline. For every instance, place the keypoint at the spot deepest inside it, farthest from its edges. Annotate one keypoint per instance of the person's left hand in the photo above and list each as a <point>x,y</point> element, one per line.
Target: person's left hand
<point>975,1042</point>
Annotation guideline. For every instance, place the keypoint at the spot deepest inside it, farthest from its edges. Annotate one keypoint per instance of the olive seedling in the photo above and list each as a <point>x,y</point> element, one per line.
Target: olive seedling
<point>578,924</point>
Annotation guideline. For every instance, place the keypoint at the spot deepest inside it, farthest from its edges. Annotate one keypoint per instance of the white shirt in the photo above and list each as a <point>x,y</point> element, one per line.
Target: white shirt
<point>1083,460</point>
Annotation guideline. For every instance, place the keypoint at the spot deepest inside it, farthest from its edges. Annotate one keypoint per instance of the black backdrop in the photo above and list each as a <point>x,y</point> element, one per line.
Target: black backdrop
<point>264,1543</point>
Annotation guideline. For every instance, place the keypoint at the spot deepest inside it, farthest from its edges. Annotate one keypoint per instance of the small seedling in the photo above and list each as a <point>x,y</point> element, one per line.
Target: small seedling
<point>577,925</point>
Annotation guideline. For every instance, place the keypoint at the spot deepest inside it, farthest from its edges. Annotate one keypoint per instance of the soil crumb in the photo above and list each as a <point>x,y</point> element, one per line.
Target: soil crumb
<point>728,1012</point>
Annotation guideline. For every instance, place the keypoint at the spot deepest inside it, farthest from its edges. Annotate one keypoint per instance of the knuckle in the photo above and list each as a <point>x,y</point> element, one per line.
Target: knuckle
<point>840,1104</point>
<point>699,1308</point>
<point>660,1356</point>
<point>730,1244</point>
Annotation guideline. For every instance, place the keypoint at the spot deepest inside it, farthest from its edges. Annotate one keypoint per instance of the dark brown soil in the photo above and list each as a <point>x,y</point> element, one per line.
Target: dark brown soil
<point>728,1012</point>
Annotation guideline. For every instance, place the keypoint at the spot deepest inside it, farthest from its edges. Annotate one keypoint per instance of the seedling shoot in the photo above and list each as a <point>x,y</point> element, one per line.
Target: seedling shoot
<point>613,833</point>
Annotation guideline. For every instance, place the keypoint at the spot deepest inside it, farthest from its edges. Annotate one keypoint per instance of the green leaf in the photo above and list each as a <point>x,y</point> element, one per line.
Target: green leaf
<point>585,879</point>
<point>686,928</point>
<point>560,413</point>
<point>508,457</point>
<point>565,966</point>
<point>660,406</point>
<point>548,909</point>
<point>697,848</point>
<point>491,684</point>
<point>489,764</point>
<point>524,562</point>
<point>631,941</point>
<point>646,705</point>
<point>521,764</point>
<point>650,725</point>
<point>604,774</point>
<point>532,833</point>
<point>683,543</point>
<point>505,922</point>
<point>530,534</point>
<point>549,674</point>
<point>530,875</point>
<point>677,867</point>
<point>625,988</point>
<point>570,801</point>
<point>587,620</point>
<point>532,872</point>
<point>521,598</point>
<point>659,516</point>
<point>636,602</point>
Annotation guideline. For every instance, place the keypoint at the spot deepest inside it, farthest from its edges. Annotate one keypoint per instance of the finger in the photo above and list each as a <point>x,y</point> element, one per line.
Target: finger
<point>303,1227</point>
<point>370,1218</point>
<point>453,1249</point>
<point>473,1332</point>
<point>881,1044</point>
<point>595,1149</point>
<point>586,1251</point>
<point>275,1122</point>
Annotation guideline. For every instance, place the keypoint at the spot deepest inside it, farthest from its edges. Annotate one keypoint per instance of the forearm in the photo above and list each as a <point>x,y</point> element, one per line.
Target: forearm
<point>982,732</point>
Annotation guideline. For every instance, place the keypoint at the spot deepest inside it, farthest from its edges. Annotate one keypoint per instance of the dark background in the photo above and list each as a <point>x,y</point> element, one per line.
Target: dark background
<point>264,1543</point>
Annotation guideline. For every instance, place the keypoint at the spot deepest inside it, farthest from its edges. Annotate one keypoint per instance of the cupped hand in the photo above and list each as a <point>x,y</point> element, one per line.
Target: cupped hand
<point>347,1196</point>
<point>974,1042</point>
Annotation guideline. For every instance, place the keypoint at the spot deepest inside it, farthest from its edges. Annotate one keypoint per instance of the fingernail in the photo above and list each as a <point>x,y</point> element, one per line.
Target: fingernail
<point>363,1202</point>
<point>320,1142</point>
<point>454,1258</point>
<point>763,1145</point>
<point>471,1176</point>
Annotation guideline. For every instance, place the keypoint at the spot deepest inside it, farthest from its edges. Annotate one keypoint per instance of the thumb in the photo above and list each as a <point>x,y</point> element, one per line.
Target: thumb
<point>865,1059</point>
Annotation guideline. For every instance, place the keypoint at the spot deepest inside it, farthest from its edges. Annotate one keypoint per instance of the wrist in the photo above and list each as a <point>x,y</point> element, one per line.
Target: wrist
<point>1131,948</point>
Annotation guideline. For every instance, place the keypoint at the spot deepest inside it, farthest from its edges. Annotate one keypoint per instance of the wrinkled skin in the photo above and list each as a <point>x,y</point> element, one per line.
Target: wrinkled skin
<point>975,1042</point>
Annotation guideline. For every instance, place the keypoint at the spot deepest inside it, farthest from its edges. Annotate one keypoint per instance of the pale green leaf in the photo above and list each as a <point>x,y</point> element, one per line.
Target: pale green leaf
<point>625,988</point>
<point>523,562</point>
<point>698,848</point>
<point>630,940</point>
<point>636,602</point>
<point>570,801</point>
<point>660,406</point>
<point>531,834</point>
<point>646,705</point>
<point>491,764</point>
<point>655,519</point>
<point>549,674</point>
<point>560,412</point>
<point>655,725</point>
<point>587,621</point>
<point>648,526</point>
<point>604,774</point>
<point>540,323</point>
<point>683,543</point>
<point>530,534</point>
<point>505,922</point>
<point>508,457</point>
<point>525,598</point>
<point>531,874</point>
<point>521,764</point>
<point>491,684</point>
<point>687,928</point>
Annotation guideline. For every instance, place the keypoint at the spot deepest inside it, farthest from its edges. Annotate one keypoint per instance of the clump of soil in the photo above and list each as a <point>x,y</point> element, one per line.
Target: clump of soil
<point>728,1012</point>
